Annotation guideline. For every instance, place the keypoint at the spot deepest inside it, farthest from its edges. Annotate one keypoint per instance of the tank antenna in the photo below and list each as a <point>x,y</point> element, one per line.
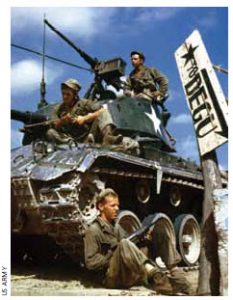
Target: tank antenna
<point>43,102</point>
<point>220,69</point>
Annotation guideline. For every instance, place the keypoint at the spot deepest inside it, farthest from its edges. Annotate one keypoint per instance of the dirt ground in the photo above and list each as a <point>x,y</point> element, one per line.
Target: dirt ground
<point>69,280</point>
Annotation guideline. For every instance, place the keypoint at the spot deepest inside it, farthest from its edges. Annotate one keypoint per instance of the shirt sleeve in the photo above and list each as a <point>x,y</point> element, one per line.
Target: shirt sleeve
<point>94,260</point>
<point>161,80</point>
<point>128,85</point>
<point>122,233</point>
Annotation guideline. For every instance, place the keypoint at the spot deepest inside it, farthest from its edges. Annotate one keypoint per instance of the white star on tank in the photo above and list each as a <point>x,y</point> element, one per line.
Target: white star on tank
<point>156,121</point>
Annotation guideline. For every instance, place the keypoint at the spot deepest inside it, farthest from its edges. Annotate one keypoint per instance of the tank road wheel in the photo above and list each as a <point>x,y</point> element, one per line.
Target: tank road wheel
<point>188,237</point>
<point>143,191</point>
<point>175,196</point>
<point>128,221</point>
<point>162,225</point>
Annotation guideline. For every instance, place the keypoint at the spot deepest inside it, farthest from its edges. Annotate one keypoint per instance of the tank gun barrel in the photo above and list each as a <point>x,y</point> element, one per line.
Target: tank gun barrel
<point>27,117</point>
<point>91,61</point>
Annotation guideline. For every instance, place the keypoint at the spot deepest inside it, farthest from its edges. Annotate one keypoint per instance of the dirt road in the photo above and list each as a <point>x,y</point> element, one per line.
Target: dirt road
<point>69,280</point>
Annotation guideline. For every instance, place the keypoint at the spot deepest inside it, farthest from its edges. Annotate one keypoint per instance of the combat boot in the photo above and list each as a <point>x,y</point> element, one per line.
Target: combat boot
<point>109,138</point>
<point>90,139</point>
<point>180,284</point>
<point>160,282</point>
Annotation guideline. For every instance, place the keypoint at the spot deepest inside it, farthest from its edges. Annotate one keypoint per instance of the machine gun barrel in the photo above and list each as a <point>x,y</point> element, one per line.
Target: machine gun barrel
<point>27,117</point>
<point>91,61</point>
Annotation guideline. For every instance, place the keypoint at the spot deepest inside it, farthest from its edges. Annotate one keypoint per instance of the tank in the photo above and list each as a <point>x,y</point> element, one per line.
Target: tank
<point>54,187</point>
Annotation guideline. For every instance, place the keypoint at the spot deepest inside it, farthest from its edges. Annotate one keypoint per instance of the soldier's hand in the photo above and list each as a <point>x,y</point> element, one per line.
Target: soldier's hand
<point>80,120</point>
<point>129,93</point>
<point>158,96</point>
<point>66,119</point>
<point>148,235</point>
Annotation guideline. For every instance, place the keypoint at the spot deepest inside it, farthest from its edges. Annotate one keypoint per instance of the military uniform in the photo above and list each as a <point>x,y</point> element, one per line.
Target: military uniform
<point>121,261</point>
<point>79,132</point>
<point>146,80</point>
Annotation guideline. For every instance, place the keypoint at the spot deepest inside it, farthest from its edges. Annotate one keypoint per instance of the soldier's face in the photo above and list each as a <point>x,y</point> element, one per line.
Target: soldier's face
<point>68,96</point>
<point>109,208</point>
<point>136,60</point>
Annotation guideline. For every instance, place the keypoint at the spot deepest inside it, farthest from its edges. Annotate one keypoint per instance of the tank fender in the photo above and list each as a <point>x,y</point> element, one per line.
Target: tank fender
<point>67,160</point>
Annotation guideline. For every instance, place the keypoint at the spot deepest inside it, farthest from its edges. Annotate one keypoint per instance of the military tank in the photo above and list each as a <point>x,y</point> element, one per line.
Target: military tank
<point>54,187</point>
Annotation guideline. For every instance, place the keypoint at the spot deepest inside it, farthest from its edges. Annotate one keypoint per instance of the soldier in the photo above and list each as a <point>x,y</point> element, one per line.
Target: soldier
<point>147,83</point>
<point>80,120</point>
<point>121,262</point>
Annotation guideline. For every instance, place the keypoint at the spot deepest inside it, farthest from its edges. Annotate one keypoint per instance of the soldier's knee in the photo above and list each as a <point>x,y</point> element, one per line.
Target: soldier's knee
<point>105,119</point>
<point>126,244</point>
<point>50,133</point>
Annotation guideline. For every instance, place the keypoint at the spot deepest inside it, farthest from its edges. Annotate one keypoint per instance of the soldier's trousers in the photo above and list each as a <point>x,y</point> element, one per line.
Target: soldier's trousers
<point>100,123</point>
<point>127,265</point>
<point>164,246</point>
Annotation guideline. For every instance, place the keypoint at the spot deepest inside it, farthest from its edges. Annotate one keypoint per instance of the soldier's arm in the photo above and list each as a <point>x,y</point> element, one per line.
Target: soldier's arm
<point>80,120</point>
<point>128,88</point>
<point>56,121</point>
<point>161,80</point>
<point>94,260</point>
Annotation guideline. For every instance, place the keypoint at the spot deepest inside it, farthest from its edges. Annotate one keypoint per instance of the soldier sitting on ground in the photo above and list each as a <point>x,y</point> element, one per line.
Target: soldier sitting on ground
<point>80,120</point>
<point>120,262</point>
<point>148,83</point>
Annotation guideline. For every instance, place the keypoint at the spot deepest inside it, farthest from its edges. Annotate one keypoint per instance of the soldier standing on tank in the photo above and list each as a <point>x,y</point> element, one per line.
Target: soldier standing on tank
<point>148,83</point>
<point>120,263</point>
<point>81,120</point>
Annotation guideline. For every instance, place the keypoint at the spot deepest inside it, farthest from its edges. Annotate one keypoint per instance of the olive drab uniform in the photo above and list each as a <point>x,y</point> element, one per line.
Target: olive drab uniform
<point>146,80</point>
<point>75,131</point>
<point>123,264</point>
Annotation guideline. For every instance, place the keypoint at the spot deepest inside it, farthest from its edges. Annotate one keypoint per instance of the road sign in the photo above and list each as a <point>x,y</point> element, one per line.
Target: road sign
<point>203,92</point>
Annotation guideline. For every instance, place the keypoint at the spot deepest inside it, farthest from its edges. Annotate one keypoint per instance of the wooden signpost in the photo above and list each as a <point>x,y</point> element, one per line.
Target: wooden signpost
<point>209,111</point>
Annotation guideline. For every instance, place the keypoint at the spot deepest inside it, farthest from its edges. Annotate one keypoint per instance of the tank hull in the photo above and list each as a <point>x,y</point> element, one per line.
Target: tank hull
<point>54,194</point>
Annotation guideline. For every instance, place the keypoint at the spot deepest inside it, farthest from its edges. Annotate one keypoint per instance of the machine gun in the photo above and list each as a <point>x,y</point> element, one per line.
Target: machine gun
<point>140,234</point>
<point>109,71</point>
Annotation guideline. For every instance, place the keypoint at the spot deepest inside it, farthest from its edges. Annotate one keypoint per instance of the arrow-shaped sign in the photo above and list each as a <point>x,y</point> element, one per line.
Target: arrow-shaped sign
<point>203,92</point>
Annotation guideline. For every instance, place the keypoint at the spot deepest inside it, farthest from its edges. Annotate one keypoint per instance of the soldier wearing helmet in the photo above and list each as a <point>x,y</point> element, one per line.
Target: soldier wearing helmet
<point>82,120</point>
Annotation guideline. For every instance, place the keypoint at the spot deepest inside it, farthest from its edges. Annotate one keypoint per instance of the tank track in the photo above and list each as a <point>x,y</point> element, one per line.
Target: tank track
<point>185,269</point>
<point>66,236</point>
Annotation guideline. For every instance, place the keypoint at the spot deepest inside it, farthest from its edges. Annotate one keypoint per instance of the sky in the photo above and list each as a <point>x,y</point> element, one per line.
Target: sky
<point>108,32</point>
